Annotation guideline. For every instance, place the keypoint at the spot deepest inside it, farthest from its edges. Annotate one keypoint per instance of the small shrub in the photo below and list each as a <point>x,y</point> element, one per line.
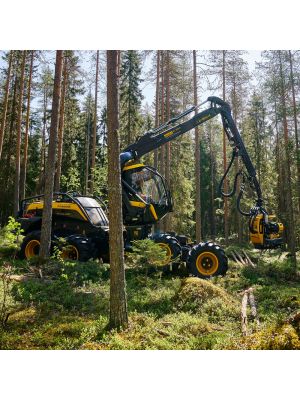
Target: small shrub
<point>145,253</point>
<point>5,293</point>
<point>57,295</point>
<point>10,237</point>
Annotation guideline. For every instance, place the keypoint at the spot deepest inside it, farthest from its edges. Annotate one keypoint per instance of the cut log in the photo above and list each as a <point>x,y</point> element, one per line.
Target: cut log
<point>253,306</point>
<point>244,313</point>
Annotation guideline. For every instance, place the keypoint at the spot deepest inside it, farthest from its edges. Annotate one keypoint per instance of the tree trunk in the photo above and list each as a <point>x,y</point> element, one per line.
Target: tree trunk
<point>295,126</point>
<point>157,104</point>
<point>5,102</point>
<point>119,63</point>
<point>93,160</point>
<point>12,122</point>
<point>236,164</point>
<point>18,140</point>
<point>212,189</point>
<point>41,182</point>
<point>162,148</point>
<point>278,165</point>
<point>25,155</point>
<point>197,157</point>
<point>166,220</point>
<point>88,135</point>
<point>49,177</point>
<point>118,301</point>
<point>225,160</point>
<point>61,128</point>
<point>291,236</point>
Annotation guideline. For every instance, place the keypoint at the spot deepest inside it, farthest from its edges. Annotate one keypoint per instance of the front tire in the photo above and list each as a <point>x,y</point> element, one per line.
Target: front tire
<point>30,246</point>
<point>206,260</point>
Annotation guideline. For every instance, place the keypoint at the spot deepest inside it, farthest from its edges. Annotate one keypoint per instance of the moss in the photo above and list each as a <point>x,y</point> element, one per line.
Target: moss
<point>278,337</point>
<point>195,292</point>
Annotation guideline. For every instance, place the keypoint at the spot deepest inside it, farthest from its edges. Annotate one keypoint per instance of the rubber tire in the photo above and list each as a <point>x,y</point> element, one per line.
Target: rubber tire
<point>84,246</point>
<point>210,247</point>
<point>172,242</point>
<point>34,235</point>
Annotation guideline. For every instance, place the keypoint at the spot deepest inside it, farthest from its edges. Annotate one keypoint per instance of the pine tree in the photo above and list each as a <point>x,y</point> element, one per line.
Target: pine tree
<point>197,156</point>
<point>94,139</point>
<point>18,139</point>
<point>5,101</point>
<point>25,152</point>
<point>61,127</point>
<point>130,96</point>
<point>49,178</point>
<point>118,301</point>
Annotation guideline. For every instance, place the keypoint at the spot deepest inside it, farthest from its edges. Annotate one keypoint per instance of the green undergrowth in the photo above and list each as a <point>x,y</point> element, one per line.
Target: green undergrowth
<point>69,309</point>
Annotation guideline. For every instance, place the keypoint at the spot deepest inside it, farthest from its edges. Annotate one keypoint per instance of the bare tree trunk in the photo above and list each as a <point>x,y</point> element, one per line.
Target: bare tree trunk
<point>49,178</point>
<point>5,103</point>
<point>25,155</point>
<point>162,149</point>
<point>119,63</point>
<point>212,190</point>
<point>157,104</point>
<point>279,162</point>
<point>197,156</point>
<point>61,128</point>
<point>118,300</point>
<point>225,160</point>
<point>12,123</point>
<point>289,202</point>
<point>87,160</point>
<point>41,182</point>
<point>166,220</point>
<point>18,140</point>
<point>93,160</point>
<point>236,165</point>
<point>295,126</point>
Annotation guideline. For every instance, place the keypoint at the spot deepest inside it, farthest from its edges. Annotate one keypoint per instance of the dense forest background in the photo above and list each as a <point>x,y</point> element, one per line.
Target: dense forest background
<point>154,87</point>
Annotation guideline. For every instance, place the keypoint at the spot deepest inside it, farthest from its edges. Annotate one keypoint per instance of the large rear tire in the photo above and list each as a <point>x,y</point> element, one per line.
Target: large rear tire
<point>78,248</point>
<point>170,245</point>
<point>206,260</point>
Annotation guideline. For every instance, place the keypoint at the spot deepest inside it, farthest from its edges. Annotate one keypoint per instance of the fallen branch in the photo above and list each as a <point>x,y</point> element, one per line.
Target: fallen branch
<point>235,259</point>
<point>240,258</point>
<point>248,259</point>
<point>25,278</point>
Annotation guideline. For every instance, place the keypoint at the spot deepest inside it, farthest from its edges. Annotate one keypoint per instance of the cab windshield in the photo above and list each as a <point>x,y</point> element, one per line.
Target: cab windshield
<point>94,210</point>
<point>148,184</point>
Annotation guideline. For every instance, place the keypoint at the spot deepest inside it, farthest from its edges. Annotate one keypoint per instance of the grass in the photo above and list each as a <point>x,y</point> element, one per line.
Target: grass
<point>165,311</point>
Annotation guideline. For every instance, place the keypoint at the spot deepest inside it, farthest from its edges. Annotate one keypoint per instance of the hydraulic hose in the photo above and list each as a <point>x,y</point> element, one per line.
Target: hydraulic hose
<point>230,194</point>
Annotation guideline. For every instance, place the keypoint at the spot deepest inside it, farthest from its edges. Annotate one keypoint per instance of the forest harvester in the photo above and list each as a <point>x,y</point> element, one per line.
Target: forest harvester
<point>83,222</point>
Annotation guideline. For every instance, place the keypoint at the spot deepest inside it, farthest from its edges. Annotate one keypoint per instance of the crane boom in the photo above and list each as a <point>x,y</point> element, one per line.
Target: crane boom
<point>169,131</point>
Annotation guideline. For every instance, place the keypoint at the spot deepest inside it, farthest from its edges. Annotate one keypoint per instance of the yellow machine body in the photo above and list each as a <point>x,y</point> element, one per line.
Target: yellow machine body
<point>265,236</point>
<point>56,205</point>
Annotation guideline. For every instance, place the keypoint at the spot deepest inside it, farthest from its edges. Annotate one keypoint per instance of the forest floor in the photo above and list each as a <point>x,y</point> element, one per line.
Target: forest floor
<point>166,311</point>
